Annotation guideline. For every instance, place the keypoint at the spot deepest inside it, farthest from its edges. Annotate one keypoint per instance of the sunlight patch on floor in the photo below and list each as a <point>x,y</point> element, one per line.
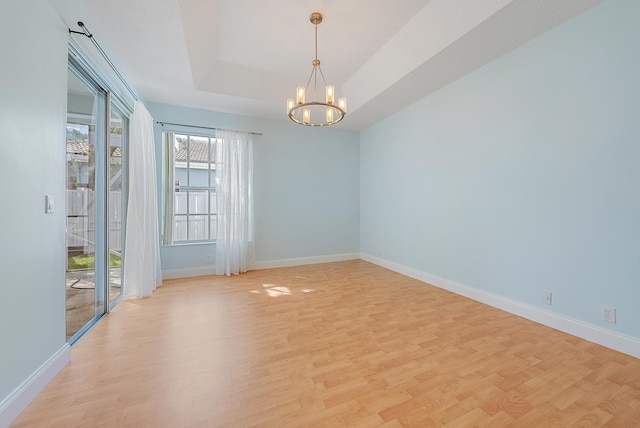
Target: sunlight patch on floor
<point>274,290</point>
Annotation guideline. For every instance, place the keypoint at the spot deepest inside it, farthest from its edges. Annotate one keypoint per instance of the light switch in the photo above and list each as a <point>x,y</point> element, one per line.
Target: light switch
<point>48,204</point>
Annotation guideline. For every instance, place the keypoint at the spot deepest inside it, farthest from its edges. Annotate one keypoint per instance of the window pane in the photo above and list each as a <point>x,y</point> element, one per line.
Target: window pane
<point>198,228</point>
<point>198,203</point>
<point>180,175</point>
<point>180,228</point>
<point>198,175</point>
<point>198,149</point>
<point>180,202</point>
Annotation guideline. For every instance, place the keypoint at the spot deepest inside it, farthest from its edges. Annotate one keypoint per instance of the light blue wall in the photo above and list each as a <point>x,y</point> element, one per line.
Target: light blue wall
<point>306,187</point>
<point>33,79</point>
<point>522,176</point>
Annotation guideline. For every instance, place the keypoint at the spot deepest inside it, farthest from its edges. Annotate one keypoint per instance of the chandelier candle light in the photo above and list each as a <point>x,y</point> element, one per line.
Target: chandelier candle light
<point>316,113</point>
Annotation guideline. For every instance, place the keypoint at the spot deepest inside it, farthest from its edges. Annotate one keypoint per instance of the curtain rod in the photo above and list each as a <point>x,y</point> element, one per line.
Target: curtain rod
<point>205,127</point>
<point>85,32</point>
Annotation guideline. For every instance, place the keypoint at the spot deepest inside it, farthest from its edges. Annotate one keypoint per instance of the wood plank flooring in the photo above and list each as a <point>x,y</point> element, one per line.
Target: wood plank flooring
<point>331,345</point>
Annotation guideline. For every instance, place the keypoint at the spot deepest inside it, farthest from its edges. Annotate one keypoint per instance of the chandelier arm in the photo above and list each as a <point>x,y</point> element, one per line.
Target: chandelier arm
<point>322,74</point>
<point>313,70</point>
<point>315,84</point>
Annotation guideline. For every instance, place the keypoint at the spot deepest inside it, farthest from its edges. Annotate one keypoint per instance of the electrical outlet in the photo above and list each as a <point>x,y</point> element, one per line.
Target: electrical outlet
<point>209,258</point>
<point>546,297</point>
<point>608,314</point>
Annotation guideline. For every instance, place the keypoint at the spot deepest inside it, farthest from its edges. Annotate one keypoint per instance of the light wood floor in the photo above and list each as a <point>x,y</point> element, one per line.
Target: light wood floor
<point>340,344</point>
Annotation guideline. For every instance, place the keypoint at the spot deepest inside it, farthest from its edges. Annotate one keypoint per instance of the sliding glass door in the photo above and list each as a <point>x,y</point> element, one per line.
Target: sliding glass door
<point>95,144</point>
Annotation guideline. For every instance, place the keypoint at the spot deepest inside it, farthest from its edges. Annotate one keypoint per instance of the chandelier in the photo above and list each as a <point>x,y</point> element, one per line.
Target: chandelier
<point>316,113</point>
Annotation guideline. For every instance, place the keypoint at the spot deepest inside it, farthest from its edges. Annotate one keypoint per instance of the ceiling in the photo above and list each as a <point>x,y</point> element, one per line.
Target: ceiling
<point>247,56</point>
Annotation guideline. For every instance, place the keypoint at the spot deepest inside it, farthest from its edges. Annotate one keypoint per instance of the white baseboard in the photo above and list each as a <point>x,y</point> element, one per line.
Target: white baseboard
<point>299,261</point>
<point>189,272</point>
<point>20,398</point>
<point>611,339</point>
<point>269,264</point>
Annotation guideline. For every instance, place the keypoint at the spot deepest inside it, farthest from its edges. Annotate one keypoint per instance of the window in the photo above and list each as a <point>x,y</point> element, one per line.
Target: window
<point>190,200</point>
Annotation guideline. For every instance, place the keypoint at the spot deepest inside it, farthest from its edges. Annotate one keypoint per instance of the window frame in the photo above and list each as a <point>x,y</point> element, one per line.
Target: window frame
<point>171,139</point>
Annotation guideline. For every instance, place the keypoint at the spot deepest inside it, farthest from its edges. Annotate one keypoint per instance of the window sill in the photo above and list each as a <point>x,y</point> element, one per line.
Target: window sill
<point>188,244</point>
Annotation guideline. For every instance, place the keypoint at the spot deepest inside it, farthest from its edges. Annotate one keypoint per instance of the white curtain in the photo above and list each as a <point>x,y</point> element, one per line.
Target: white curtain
<point>234,199</point>
<point>169,189</point>
<point>142,243</point>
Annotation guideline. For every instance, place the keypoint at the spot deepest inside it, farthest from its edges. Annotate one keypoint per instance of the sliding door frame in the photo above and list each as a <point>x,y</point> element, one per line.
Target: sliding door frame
<point>79,66</point>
